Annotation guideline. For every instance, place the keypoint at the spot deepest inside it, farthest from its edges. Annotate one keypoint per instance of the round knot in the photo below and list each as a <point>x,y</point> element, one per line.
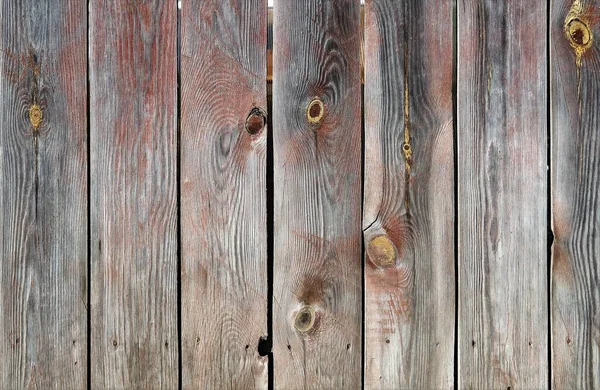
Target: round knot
<point>382,251</point>
<point>315,110</point>
<point>305,319</point>
<point>255,121</point>
<point>579,33</point>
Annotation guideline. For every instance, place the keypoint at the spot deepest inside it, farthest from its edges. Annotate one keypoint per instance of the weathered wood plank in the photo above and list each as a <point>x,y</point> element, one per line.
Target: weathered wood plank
<point>575,104</point>
<point>502,168</point>
<point>409,195</point>
<point>133,98</point>
<point>43,194</point>
<point>317,178</point>
<point>223,193</point>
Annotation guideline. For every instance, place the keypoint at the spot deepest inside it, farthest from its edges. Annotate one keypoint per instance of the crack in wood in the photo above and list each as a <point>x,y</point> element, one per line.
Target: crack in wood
<point>35,117</point>
<point>406,146</point>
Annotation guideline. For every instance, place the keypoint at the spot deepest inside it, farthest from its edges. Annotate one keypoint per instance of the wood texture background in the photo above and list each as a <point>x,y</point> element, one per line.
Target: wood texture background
<point>166,214</point>
<point>408,212</point>
<point>133,146</point>
<point>502,194</point>
<point>575,106</point>
<point>223,194</point>
<point>43,194</point>
<point>317,195</point>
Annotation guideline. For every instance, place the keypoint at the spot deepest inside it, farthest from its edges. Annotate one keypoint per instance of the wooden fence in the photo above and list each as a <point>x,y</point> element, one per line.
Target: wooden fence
<point>164,223</point>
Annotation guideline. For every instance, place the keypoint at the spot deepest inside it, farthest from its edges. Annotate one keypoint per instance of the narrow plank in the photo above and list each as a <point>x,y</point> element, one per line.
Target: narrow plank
<point>502,189</point>
<point>317,198</point>
<point>43,194</point>
<point>223,193</point>
<point>408,212</point>
<point>133,95</point>
<point>575,107</point>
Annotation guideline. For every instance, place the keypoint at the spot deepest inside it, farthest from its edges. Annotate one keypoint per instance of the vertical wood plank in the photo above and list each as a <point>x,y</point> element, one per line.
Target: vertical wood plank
<point>502,168</point>
<point>43,194</point>
<point>133,98</point>
<point>223,193</point>
<point>409,195</point>
<point>575,107</point>
<point>317,180</point>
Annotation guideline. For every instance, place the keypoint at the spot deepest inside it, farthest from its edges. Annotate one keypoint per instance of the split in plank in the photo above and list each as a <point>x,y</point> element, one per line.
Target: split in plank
<point>409,195</point>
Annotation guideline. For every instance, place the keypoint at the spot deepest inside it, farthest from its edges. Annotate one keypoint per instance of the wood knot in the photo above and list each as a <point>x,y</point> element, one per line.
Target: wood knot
<point>315,110</point>
<point>256,121</point>
<point>579,33</point>
<point>382,251</point>
<point>305,319</point>
<point>35,115</point>
<point>407,151</point>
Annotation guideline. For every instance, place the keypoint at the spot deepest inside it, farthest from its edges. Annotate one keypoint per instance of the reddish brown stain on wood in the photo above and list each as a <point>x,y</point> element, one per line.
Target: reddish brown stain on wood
<point>133,142</point>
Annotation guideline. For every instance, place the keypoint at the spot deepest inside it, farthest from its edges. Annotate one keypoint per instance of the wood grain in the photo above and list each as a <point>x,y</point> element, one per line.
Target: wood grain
<point>502,189</point>
<point>408,212</point>
<point>317,178</point>
<point>43,194</point>
<point>575,103</point>
<point>133,100</point>
<point>223,193</point>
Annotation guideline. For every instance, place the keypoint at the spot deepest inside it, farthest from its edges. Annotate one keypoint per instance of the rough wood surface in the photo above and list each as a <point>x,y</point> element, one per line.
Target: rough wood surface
<point>133,102</point>
<point>43,194</point>
<point>409,195</point>
<point>575,107</point>
<point>223,193</point>
<point>502,193</point>
<point>317,177</point>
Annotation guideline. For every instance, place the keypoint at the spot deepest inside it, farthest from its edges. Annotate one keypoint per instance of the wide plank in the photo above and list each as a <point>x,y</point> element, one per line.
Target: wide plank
<point>133,141</point>
<point>575,168</point>
<point>223,194</point>
<point>43,194</point>
<point>502,195</point>
<point>408,212</point>
<point>317,292</point>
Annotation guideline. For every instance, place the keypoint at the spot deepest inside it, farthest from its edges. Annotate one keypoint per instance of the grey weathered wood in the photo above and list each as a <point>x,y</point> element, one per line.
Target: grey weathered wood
<point>223,193</point>
<point>133,100</point>
<point>502,194</point>
<point>409,195</point>
<point>575,104</point>
<point>43,194</point>
<point>317,178</point>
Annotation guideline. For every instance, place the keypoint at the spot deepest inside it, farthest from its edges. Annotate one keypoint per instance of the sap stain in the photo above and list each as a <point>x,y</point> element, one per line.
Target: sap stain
<point>35,115</point>
<point>311,291</point>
